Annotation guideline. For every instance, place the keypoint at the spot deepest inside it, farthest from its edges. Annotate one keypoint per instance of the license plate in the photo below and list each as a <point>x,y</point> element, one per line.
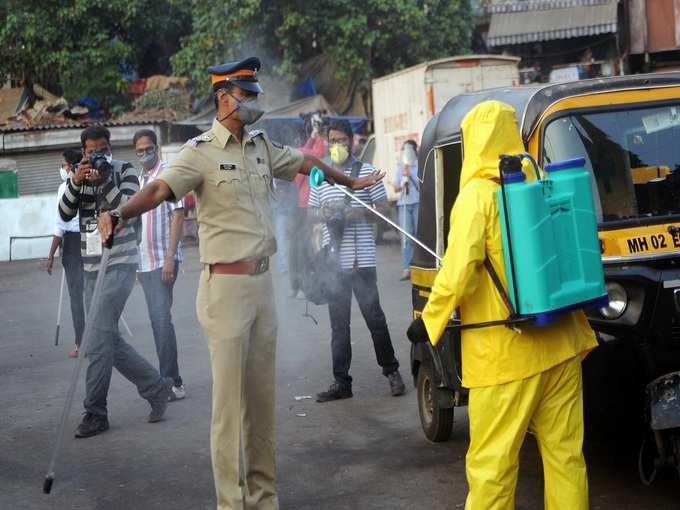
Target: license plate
<point>650,243</point>
<point>639,241</point>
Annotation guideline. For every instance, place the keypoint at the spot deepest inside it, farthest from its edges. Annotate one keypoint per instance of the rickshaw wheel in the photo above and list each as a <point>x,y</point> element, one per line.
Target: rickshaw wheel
<point>436,422</point>
<point>648,460</point>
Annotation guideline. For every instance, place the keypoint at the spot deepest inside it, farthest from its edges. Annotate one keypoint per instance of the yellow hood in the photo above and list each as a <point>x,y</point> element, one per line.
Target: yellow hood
<point>489,130</point>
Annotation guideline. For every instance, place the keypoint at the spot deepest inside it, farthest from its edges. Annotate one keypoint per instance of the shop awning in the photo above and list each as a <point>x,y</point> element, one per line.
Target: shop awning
<point>547,20</point>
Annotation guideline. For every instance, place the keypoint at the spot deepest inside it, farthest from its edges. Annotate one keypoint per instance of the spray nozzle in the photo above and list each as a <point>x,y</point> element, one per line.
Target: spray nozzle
<point>316,177</point>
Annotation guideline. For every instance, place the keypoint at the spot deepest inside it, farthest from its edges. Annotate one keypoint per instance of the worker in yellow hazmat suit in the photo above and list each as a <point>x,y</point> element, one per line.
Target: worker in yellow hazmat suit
<point>518,380</point>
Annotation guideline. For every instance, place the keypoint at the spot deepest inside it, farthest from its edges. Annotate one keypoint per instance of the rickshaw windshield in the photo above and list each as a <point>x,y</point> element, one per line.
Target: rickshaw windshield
<point>633,154</point>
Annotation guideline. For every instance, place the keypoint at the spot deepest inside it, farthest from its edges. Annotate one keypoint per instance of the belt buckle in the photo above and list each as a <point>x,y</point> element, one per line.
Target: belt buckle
<point>262,265</point>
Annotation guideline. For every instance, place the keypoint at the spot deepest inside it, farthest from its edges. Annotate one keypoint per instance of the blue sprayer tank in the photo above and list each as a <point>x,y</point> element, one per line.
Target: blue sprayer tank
<point>554,258</point>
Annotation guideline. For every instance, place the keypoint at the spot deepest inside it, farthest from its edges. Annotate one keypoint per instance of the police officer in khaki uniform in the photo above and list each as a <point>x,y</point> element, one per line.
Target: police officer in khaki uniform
<point>231,171</point>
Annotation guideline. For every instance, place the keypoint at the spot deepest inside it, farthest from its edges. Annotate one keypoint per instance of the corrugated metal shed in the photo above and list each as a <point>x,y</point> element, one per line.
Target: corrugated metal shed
<point>37,149</point>
<point>17,127</point>
<point>546,20</point>
<point>38,172</point>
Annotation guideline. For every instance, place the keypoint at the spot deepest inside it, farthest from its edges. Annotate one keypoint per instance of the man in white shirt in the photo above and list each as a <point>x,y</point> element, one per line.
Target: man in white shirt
<point>159,258</point>
<point>67,236</point>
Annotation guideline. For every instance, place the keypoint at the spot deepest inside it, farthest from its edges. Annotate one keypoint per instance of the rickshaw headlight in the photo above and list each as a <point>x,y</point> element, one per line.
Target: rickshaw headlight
<point>618,301</point>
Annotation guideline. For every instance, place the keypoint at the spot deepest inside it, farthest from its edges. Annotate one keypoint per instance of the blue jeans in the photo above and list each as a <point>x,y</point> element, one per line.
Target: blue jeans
<point>107,349</point>
<point>408,220</point>
<point>158,296</point>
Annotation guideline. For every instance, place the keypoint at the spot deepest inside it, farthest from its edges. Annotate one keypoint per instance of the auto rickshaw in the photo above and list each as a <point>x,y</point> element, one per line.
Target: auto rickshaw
<point>628,130</point>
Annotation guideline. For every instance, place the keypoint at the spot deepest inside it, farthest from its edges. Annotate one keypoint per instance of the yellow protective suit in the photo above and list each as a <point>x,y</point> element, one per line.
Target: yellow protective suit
<point>516,380</point>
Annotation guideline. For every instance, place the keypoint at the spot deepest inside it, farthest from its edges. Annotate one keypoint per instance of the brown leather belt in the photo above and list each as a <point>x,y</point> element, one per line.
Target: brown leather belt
<point>250,267</point>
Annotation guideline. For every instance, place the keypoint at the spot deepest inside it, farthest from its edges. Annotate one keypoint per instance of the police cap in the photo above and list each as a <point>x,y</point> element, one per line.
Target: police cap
<point>243,74</point>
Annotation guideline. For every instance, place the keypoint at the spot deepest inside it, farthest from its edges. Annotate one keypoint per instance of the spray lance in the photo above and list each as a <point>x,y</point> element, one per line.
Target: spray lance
<point>317,177</point>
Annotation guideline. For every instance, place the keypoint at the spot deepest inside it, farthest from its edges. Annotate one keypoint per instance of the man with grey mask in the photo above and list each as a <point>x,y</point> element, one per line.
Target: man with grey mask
<point>159,259</point>
<point>231,171</point>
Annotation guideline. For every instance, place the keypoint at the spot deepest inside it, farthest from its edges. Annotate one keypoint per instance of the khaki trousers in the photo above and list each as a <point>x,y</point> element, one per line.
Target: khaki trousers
<point>550,404</point>
<point>238,317</point>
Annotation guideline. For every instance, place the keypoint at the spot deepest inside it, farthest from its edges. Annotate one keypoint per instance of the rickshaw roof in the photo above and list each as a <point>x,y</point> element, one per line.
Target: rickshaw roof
<point>530,101</point>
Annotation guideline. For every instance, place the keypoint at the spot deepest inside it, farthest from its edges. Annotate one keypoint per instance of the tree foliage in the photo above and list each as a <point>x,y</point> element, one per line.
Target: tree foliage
<point>363,39</point>
<point>220,31</point>
<point>82,47</point>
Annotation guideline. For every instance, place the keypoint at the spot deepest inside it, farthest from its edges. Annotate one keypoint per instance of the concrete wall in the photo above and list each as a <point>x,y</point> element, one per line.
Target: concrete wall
<point>27,226</point>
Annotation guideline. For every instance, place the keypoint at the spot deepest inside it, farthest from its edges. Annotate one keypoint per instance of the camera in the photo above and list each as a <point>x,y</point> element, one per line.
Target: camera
<point>315,120</point>
<point>99,162</point>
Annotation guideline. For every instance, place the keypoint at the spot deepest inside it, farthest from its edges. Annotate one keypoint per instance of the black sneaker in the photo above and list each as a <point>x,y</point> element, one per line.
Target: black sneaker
<point>160,403</point>
<point>92,425</point>
<point>396,383</point>
<point>335,392</point>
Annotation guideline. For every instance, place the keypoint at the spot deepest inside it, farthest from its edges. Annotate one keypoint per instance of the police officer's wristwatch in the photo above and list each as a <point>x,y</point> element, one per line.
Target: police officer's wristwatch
<point>115,213</point>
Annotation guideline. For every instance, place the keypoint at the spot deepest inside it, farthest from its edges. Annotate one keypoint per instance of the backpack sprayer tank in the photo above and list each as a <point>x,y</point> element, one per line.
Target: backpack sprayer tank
<point>550,244</point>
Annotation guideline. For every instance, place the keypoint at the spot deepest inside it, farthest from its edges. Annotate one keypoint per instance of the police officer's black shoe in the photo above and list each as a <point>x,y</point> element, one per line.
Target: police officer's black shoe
<point>397,386</point>
<point>335,392</point>
<point>92,425</point>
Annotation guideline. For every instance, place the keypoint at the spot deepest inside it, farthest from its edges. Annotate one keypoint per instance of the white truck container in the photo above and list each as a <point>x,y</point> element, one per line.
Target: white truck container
<point>403,102</point>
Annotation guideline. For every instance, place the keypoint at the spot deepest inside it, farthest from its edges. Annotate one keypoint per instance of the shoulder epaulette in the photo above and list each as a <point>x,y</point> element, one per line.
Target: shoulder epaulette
<point>205,137</point>
<point>256,132</point>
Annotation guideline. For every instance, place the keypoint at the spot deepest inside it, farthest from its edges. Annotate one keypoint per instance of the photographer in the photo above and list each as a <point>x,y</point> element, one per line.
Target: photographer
<point>98,184</point>
<point>316,146</point>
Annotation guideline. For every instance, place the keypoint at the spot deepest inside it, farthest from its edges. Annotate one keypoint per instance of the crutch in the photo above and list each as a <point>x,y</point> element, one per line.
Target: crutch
<point>89,327</point>
<point>127,328</point>
<point>61,300</point>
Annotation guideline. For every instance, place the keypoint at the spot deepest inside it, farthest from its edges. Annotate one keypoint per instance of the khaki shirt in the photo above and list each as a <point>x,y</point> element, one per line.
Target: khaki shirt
<point>233,184</point>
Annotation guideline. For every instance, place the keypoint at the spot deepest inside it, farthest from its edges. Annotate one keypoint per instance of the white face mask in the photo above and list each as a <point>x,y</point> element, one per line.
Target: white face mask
<point>408,155</point>
<point>63,173</point>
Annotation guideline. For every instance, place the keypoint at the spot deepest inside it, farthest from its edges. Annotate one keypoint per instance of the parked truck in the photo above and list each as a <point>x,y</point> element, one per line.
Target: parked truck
<point>403,102</point>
